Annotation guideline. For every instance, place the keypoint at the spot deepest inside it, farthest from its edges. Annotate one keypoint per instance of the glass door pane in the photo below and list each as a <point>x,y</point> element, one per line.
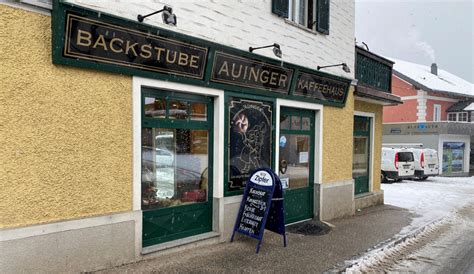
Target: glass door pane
<point>360,164</point>
<point>174,167</point>
<point>294,159</point>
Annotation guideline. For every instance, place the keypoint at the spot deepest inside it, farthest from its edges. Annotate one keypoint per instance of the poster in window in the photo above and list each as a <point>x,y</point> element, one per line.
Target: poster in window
<point>250,139</point>
<point>453,157</point>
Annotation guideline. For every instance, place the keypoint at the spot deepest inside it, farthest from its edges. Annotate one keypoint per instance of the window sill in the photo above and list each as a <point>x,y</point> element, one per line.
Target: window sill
<point>288,21</point>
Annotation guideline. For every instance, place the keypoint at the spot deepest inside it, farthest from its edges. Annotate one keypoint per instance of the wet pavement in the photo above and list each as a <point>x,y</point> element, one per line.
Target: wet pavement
<point>349,237</point>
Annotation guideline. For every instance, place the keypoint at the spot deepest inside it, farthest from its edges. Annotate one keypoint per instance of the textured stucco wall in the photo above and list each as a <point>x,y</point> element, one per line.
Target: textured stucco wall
<point>338,126</point>
<point>65,133</point>
<point>378,110</point>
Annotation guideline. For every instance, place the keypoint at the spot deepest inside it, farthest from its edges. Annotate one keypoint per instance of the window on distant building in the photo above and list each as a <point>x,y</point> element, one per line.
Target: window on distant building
<point>436,113</point>
<point>312,14</point>
<point>462,116</point>
<point>452,116</point>
<point>458,117</point>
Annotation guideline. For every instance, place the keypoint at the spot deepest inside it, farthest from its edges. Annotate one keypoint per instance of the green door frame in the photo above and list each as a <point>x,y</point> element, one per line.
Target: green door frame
<point>361,183</point>
<point>294,197</point>
<point>185,220</point>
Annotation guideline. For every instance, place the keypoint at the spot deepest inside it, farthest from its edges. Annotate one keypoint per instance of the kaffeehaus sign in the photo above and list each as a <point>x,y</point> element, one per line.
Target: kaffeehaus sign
<point>93,40</point>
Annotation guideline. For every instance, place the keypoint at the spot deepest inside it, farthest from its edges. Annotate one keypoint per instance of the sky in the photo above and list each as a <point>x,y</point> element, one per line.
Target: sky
<point>420,31</point>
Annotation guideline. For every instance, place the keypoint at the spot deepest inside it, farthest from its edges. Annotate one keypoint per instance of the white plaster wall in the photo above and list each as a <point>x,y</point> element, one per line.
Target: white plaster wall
<point>244,23</point>
<point>421,108</point>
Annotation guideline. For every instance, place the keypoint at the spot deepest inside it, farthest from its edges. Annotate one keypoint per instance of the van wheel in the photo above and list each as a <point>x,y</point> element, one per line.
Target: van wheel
<point>383,178</point>
<point>423,178</point>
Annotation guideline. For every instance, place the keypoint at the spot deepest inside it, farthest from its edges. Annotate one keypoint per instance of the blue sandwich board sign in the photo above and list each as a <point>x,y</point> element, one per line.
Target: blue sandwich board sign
<point>261,207</point>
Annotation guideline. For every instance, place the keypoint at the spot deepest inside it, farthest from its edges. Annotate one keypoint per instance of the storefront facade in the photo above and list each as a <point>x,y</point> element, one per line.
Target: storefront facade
<point>127,138</point>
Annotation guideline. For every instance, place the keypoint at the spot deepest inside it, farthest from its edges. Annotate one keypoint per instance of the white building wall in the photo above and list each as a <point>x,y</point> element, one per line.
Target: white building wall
<point>243,23</point>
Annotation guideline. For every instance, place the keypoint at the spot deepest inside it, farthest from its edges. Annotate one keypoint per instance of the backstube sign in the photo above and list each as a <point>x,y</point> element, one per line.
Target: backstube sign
<point>92,40</point>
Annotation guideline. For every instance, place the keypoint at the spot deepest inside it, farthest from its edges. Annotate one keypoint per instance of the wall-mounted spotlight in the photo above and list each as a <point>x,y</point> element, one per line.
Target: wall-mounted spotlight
<point>168,16</point>
<point>276,49</point>
<point>344,67</point>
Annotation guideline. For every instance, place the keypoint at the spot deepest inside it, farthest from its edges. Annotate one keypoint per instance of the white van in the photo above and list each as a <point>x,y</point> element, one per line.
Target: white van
<point>397,164</point>
<point>426,162</point>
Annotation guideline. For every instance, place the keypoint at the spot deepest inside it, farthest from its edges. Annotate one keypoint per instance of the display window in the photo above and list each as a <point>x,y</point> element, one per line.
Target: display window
<point>453,157</point>
<point>176,165</point>
<point>249,135</point>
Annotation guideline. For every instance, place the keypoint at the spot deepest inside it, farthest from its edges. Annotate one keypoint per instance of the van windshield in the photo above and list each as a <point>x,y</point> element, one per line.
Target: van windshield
<point>405,157</point>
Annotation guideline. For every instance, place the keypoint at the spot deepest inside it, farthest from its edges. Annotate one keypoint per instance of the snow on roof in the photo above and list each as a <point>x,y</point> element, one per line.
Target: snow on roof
<point>443,82</point>
<point>470,107</point>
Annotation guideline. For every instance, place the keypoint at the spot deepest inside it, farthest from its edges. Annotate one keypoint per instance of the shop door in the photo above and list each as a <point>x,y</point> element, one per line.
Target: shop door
<point>296,162</point>
<point>176,165</point>
<point>361,153</point>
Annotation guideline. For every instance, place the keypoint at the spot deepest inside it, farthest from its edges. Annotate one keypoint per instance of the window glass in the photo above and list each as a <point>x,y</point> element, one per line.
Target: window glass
<point>361,124</point>
<point>295,155</point>
<point>302,12</point>
<point>198,111</point>
<point>453,157</point>
<point>285,121</point>
<point>178,109</point>
<point>451,116</point>
<point>360,163</point>
<point>405,157</point>
<point>295,122</point>
<point>155,107</point>
<point>305,123</point>
<point>462,116</point>
<point>174,167</point>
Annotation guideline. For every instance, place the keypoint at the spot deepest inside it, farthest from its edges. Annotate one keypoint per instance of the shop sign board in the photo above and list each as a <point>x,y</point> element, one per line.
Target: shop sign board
<point>92,40</point>
<point>259,204</point>
<point>321,88</point>
<point>250,139</point>
<point>235,70</point>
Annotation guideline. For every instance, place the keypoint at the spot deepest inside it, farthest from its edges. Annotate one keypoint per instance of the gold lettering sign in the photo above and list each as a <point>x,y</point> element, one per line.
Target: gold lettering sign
<point>321,88</point>
<point>246,72</point>
<point>92,40</point>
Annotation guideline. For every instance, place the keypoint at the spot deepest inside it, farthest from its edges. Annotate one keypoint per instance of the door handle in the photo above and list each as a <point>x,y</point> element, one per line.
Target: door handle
<point>283,166</point>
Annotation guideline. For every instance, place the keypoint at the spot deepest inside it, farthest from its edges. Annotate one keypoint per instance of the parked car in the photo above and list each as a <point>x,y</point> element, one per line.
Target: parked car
<point>397,164</point>
<point>158,157</point>
<point>426,162</point>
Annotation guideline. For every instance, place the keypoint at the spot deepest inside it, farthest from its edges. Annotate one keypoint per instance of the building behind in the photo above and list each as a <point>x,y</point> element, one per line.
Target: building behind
<point>437,111</point>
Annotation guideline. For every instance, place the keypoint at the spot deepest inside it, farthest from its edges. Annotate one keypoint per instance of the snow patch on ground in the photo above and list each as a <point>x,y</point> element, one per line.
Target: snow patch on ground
<point>378,258</point>
<point>435,198</point>
<point>434,202</point>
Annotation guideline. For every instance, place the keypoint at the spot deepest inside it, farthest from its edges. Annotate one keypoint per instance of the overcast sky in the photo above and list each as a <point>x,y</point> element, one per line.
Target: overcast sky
<point>420,31</point>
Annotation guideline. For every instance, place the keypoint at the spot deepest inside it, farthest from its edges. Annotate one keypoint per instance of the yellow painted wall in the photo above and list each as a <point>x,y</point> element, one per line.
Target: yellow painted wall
<point>338,124</point>
<point>377,109</point>
<point>65,133</point>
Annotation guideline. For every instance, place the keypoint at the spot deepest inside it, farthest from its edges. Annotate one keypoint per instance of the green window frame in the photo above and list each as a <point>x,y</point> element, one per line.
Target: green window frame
<point>191,219</point>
